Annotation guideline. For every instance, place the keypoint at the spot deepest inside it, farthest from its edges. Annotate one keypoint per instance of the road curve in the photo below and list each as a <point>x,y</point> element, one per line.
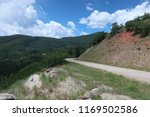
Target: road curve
<point>129,73</point>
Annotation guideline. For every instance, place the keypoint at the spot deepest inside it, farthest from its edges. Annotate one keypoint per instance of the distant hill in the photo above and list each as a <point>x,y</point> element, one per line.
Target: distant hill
<point>21,45</point>
<point>126,46</point>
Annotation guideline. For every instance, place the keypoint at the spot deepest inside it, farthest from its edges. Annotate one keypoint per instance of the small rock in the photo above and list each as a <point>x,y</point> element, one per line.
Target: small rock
<point>88,95</point>
<point>6,96</point>
<point>94,92</point>
<point>52,72</point>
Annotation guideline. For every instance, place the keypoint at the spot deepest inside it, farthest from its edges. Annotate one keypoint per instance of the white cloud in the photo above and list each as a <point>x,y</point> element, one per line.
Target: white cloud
<point>89,7</point>
<point>96,19</point>
<point>51,29</point>
<point>21,17</point>
<point>21,12</point>
<point>71,24</point>
<point>30,12</point>
<point>101,19</point>
<point>84,33</point>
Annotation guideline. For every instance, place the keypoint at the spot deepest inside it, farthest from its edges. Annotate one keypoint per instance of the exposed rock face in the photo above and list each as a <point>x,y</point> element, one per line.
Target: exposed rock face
<point>95,92</point>
<point>52,72</point>
<point>6,96</point>
<point>33,81</point>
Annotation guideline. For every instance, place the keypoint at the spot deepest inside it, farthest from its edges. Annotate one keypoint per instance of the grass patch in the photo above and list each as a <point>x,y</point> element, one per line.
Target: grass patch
<point>120,84</point>
<point>19,90</point>
<point>96,98</point>
<point>90,76</point>
<point>45,80</point>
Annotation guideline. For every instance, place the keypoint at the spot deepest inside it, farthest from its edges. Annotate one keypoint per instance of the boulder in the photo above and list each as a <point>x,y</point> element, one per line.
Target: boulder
<point>6,96</point>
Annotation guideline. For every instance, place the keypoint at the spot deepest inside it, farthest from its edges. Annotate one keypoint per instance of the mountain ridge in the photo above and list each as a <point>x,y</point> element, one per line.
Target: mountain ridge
<point>20,45</point>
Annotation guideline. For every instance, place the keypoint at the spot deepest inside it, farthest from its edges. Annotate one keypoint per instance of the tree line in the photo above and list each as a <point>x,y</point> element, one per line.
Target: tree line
<point>139,26</point>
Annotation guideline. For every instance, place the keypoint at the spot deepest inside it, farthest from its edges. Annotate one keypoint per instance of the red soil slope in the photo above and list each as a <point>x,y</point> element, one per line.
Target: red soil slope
<point>123,50</point>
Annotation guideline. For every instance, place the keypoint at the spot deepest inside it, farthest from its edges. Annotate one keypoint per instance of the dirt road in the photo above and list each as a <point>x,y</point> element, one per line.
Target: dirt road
<point>129,73</point>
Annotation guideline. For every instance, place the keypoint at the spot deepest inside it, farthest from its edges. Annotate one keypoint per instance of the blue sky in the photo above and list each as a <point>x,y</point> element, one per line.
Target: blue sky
<point>65,10</point>
<point>61,18</point>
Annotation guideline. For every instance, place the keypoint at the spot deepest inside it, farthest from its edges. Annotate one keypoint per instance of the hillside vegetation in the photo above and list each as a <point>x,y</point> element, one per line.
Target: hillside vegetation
<point>16,46</point>
<point>12,71</point>
<point>21,56</point>
<point>126,46</point>
<point>140,25</point>
<point>73,81</point>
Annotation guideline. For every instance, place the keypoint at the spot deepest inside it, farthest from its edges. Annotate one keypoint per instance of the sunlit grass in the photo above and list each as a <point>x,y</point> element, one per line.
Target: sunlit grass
<point>120,84</point>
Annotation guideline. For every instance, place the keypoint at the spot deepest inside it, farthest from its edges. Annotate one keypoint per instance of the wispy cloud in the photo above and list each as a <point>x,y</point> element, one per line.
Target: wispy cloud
<point>89,7</point>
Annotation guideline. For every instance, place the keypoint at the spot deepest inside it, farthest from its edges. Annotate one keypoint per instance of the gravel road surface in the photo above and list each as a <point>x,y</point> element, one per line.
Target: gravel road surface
<point>129,73</point>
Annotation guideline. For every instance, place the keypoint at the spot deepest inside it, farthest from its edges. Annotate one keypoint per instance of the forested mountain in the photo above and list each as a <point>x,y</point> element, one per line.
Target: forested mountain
<point>21,55</point>
<point>17,46</point>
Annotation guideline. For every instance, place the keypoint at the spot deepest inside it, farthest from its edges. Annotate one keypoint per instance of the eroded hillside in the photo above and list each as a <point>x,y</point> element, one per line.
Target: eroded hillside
<point>123,49</point>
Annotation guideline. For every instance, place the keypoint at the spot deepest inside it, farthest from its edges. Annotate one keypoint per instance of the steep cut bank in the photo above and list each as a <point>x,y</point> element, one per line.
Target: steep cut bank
<point>123,49</point>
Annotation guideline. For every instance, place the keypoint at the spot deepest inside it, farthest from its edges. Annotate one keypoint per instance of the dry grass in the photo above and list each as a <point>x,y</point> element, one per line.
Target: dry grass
<point>120,85</point>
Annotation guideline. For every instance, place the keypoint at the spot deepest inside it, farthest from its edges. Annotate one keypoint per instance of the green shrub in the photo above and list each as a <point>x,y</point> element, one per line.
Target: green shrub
<point>100,36</point>
<point>140,25</point>
<point>116,29</point>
